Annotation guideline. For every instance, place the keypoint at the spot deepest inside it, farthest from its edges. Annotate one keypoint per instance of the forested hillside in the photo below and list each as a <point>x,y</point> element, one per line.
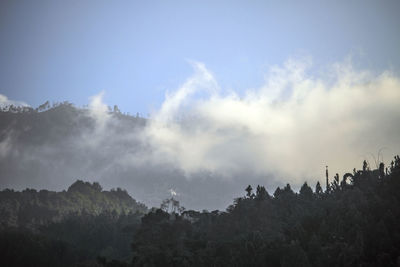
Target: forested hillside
<point>52,146</point>
<point>31,208</point>
<point>354,222</point>
<point>46,228</point>
<point>56,122</point>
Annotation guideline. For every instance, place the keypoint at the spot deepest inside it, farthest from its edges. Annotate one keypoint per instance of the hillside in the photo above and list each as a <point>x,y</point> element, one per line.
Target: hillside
<point>354,222</point>
<point>52,146</point>
<point>31,208</point>
<point>55,124</point>
<point>68,228</point>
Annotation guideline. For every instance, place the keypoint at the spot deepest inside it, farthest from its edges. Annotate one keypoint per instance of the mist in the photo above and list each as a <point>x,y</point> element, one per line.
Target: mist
<point>205,144</point>
<point>290,128</point>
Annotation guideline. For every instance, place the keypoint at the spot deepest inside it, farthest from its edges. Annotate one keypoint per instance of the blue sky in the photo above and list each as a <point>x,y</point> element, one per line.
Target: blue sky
<point>137,50</point>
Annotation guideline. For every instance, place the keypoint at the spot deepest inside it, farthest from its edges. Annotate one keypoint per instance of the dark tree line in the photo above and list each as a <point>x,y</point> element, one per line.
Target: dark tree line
<point>354,222</point>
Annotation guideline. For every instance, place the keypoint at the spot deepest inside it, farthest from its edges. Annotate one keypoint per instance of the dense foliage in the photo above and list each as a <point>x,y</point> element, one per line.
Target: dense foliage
<point>31,208</point>
<point>353,223</point>
<point>79,240</point>
<point>80,226</point>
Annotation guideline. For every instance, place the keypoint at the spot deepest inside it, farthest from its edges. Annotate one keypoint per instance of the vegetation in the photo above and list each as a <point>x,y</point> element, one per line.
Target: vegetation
<point>82,240</point>
<point>353,222</point>
<point>52,124</point>
<point>67,228</point>
<point>31,208</point>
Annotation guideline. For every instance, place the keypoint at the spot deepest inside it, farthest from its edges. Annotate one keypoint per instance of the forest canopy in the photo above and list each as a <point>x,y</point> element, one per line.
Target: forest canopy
<point>353,221</point>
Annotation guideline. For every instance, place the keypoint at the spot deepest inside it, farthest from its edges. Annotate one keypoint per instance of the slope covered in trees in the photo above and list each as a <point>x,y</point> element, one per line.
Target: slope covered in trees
<point>31,208</point>
<point>50,147</point>
<point>352,222</point>
<point>78,240</point>
<point>355,222</point>
<point>66,228</point>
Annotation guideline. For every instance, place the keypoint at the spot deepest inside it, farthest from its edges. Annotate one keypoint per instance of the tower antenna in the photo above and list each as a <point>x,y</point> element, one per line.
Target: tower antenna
<point>327,180</point>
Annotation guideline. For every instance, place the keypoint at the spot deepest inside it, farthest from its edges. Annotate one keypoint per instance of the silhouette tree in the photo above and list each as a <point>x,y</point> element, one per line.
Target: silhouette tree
<point>365,166</point>
<point>306,191</point>
<point>249,190</point>
<point>381,170</point>
<point>261,193</point>
<point>328,186</point>
<point>335,185</point>
<point>318,189</point>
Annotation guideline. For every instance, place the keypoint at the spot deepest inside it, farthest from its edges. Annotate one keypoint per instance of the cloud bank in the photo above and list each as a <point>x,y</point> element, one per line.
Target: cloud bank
<point>291,127</point>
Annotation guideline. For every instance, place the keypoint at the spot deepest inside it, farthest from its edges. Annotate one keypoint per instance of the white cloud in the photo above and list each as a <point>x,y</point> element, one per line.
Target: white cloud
<point>292,126</point>
<point>98,109</point>
<point>4,101</point>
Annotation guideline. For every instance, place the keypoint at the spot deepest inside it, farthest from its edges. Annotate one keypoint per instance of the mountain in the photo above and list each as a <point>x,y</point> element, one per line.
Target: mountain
<point>52,146</point>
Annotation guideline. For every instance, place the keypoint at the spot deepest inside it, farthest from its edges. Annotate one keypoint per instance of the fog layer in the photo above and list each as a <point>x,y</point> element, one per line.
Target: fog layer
<point>205,144</point>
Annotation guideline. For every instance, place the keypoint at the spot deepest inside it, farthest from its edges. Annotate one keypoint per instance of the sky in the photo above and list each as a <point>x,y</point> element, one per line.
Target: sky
<point>237,92</point>
<point>136,51</point>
